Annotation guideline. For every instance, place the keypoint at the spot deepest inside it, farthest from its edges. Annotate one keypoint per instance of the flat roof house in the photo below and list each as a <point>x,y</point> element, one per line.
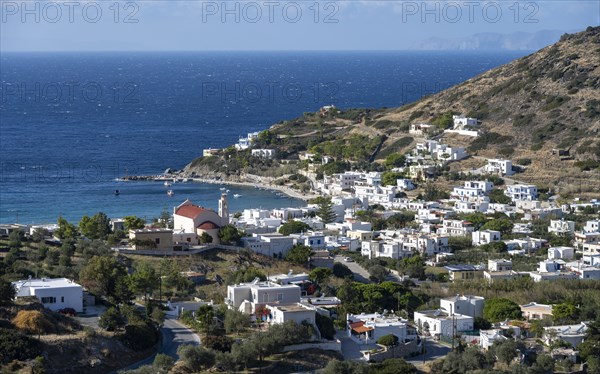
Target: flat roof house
<point>297,312</point>
<point>366,328</point>
<point>438,322</point>
<point>55,294</point>
<point>151,238</point>
<point>467,305</point>
<point>536,311</point>
<point>573,334</point>
<point>463,272</point>
<point>246,297</point>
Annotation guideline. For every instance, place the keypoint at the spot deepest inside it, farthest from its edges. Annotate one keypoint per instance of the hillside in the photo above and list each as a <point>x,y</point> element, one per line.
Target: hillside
<point>547,100</point>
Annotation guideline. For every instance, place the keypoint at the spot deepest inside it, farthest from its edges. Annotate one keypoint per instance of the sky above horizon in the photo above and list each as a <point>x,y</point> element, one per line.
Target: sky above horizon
<point>283,25</point>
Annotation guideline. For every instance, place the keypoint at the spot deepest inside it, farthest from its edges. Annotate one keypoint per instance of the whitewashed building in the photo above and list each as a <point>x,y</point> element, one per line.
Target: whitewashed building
<point>54,294</point>
<point>521,192</point>
<point>246,297</point>
<point>500,265</point>
<point>485,237</point>
<point>367,328</point>
<point>561,227</point>
<point>264,153</point>
<point>461,121</point>
<point>438,322</point>
<point>499,166</point>
<point>467,305</point>
<point>561,253</point>
<point>473,189</point>
<point>455,227</point>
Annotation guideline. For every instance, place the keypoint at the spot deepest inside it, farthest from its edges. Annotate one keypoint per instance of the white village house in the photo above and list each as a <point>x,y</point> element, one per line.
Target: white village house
<point>55,294</point>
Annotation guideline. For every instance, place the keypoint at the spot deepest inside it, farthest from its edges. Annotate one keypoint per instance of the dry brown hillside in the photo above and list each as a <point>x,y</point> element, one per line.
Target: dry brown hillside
<point>549,99</point>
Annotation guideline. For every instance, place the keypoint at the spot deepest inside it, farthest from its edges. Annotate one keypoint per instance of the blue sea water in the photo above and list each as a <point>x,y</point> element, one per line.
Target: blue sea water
<point>70,123</point>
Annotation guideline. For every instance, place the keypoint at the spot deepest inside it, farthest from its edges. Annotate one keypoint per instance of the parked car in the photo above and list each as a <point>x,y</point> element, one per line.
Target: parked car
<point>348,259</point>
<point>68,312</point>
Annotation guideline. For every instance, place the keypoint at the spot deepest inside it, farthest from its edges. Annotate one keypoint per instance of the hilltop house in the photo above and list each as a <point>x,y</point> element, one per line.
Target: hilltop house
<point>264,153</point>
<point>499,166</point>
<point>54,294</point>
<point>461,121</point>
<point>421,129</point>
<point>246,142</point>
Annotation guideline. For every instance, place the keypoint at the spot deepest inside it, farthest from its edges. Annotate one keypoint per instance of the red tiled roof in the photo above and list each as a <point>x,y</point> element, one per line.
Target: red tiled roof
<point>207,225</point>
<point>190,211</point>
<point>361,329</point>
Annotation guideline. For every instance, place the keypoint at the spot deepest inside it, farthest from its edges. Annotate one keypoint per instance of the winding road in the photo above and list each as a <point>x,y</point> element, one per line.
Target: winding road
<point>174,334</point>
<point>360,274</point>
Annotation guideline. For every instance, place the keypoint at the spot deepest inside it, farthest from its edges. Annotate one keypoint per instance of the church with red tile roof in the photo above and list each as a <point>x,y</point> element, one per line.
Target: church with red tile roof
<point>190,218</point>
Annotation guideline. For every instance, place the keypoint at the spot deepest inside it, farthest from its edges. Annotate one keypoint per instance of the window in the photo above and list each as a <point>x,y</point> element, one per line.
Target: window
<point>62,299</point>
<point>279,296</point>
<point>48,300</point>
<point>157,240</point>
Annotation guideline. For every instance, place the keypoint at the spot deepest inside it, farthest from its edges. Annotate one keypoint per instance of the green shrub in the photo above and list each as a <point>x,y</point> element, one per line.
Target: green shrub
<point>389,340</point>
<point>140,336</point>
<point>325,325</point>
<point>196,358</point>
<point>16,346</point>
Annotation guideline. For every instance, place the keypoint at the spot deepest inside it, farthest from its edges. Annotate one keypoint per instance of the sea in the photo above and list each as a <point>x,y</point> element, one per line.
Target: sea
<point>72,123</point>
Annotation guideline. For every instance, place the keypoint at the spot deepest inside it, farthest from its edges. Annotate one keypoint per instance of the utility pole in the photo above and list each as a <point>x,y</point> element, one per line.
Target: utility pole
<point>453,330</point>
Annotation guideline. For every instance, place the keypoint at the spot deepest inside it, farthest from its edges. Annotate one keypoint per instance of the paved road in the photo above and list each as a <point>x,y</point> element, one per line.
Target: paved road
<point>360,274</point>
<point>174,334</point>
<point>434,350</point>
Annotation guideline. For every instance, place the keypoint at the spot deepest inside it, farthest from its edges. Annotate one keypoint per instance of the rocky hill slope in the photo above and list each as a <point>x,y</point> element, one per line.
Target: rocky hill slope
<point>549,99</point>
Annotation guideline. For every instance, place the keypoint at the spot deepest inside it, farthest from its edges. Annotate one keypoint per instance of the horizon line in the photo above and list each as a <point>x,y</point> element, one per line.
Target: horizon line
<point>259,50</point>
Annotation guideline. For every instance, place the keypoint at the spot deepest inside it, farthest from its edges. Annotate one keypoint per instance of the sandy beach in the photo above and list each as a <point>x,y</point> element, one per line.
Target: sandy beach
<point>261,183</point>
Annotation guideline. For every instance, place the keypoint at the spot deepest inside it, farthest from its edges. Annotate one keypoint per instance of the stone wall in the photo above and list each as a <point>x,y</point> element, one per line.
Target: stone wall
<point>399,351</point>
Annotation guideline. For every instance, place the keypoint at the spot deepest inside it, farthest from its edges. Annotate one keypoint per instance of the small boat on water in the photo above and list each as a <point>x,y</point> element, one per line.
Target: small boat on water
<point>168,184</point>
<point>222,188</point>
<point>117,193</point>
<point>237,195</point>
<point>170,193</point>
